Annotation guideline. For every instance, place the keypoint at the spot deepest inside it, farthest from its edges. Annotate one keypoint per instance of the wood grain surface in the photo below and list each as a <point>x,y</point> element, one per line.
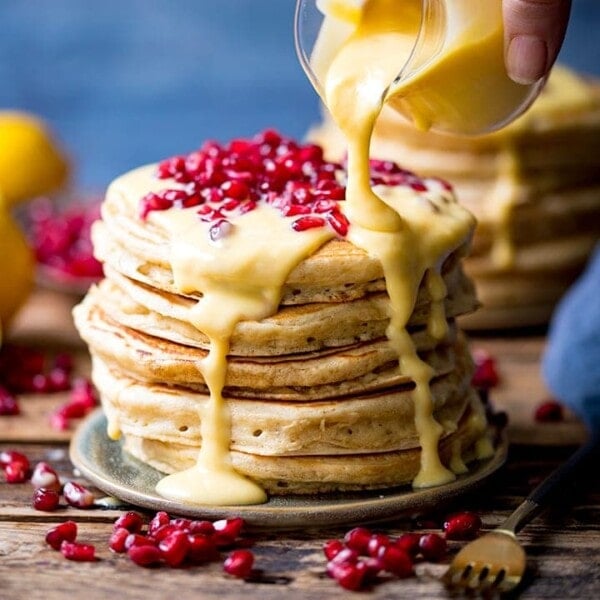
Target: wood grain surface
<point>563,544</point>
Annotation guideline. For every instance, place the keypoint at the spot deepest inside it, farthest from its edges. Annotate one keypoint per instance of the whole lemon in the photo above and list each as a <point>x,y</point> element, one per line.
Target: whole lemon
<point>16,266</point>
<point>31,164</point>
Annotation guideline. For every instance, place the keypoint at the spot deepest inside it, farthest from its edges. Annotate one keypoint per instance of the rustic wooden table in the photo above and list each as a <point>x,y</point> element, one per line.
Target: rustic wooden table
<point>562,545</point>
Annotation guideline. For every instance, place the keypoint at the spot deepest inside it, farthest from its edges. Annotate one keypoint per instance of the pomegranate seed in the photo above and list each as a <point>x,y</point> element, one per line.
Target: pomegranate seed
<point>358,539</point>
<point>350,576</point>
<point>201,548</point>
<point>137,539</point>
<point>338,222</point>
<point>64,362</point>
<point>16,472</point>
<point>373,566</point>
<point>77,495</point>
<point>549,411</point>
<point>131,521</point>
<point>346,555</point>
<point>174,548</point>
<point>235,189</point>
<point>485,376</point>
<point>396,561</point>
<point>78,552</point>
<point>162,532</point>
<point>418,186</point>
<point>181,524</point>
<point>59,380</point>
<point>160,519</point>
<point>45,499</point>
<point>227,531</point>
<point>12,456</point>
<point>117,539</point>
<point>432,546</point>
<point>145,556</point>
<point>203,527</point>
<point>377,542</point>
<point>332,548</point>
<point>59,422</point>
<point>8,403</point>
<point>462,526</point>
<point>409,542</point>
<point>66,531</point>
<point>239,563</point>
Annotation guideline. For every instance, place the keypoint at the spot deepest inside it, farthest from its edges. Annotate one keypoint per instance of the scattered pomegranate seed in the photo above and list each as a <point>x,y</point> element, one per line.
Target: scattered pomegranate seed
<point>201,548</point>
<point>8,403</point>
<point>77,495</point>
<point>203,527</point>
<point>16,472</point>
<point>66,531</point>
<point>61,239</point>
<point>377,542</point>
<point>145,556</point>
<point>160,519</point>
<point>12,456</point>
<point>227,531</point>
<point>117,539</point>
<point>549,411</point>
<point>174,548</point>
<point>45,499</point>
<point>239,563</point>
<point>137,539</point>
<point>44,476</point>
<point>485,375</point>
<point>462,526</point>
<point>432,546</point>
<point>131,521</point>
<point>396,561</point>
<point>78,552</point>
<point>409,542</point>
<point>358,539</point>
<point>349,576</point>
<point>332,548</point>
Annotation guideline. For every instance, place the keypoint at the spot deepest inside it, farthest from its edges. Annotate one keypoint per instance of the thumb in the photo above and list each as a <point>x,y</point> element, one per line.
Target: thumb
<point>533,34</point>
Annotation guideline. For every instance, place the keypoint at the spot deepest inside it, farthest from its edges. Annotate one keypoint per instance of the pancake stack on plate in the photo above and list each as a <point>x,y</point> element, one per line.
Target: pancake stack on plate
<point>533,186</point>
<point>315,393</point>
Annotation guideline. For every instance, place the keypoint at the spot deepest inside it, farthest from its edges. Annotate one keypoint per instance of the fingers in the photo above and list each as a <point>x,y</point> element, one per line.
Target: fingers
<point>533,34</point>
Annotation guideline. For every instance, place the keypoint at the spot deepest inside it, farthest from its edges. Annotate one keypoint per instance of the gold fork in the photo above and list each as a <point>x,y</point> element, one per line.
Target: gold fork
<point>496,561</point>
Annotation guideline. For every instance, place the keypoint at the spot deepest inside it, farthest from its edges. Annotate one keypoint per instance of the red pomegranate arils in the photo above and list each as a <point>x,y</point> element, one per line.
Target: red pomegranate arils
<point>432,547</point>
<point>131,521</point>
<point>358,539</point>
<point>160,519</point>
<point>78,552</point>
<point>409,542</point>
<point>485,375</point>
<point>9,405</point>
<point>16,472</point>
<point>549,411</point>
<point>201,548</point>
<point>462,526</point>
<point>332,548</point>
<point>239,563</point>
<point>203,527</point>
<point>45,499</point>
<point>44,476</point>
<point>137,539</point>
<point>308,222</point>
<point>145,556</point>
<point>59,422</point>
<point>66,531</point>
<point>376,544</point>
<point>77,495</point>
<point>174,548</point>
<point>12,456</point>
<point>350,576</point>
<point>396,561</point>
<point>117,539</point>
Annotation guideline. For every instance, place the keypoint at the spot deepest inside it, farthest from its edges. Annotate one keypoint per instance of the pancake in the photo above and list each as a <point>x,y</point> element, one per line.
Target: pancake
<point>302,385</point>
<point>533,186</point>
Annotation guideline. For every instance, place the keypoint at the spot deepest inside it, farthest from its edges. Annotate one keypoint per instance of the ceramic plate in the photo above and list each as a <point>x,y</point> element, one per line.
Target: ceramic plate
<point>103,463</point>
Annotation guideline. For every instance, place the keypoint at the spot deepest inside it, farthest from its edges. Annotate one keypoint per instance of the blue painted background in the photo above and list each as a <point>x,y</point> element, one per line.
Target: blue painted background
<point>125,82</point>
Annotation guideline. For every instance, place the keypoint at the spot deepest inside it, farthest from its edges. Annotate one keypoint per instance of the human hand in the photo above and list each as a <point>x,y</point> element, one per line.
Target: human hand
<point>533,34</point>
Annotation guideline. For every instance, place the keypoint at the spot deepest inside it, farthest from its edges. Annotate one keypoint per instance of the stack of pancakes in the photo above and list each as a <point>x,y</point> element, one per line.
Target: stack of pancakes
<point>533,186</point>
<point>315,393</point>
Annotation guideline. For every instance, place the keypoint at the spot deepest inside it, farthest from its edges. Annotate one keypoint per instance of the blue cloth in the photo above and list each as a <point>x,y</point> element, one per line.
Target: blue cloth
<point>571,364</point>
<point>125,82</point>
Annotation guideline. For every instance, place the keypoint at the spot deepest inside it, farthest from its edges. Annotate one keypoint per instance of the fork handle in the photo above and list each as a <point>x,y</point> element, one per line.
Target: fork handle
<point>538,498</point>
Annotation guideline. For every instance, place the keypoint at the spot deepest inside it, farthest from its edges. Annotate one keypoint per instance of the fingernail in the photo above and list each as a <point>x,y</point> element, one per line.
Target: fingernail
<point>526,59</point>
